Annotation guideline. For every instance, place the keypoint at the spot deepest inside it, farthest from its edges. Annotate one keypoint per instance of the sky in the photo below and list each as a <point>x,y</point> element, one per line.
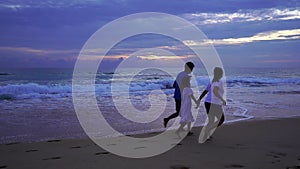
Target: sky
<point>245,33</point>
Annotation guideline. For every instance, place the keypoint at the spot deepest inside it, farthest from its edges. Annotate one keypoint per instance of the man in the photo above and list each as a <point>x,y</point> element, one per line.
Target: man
<point>188,68</point>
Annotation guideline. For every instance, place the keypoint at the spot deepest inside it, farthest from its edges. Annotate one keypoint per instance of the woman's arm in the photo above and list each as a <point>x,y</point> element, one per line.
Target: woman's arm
<point>216,93</point>
<point>200,97</point>
<point>203,94</point>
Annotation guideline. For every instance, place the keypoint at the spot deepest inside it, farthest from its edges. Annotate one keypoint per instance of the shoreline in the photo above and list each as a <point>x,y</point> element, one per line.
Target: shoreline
<point>83,136</point>
<point>21,123</point>
<point>258,143</point>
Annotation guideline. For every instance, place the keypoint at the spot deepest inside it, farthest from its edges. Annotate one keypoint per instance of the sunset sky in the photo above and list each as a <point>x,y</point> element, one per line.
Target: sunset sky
<point>245,33</point>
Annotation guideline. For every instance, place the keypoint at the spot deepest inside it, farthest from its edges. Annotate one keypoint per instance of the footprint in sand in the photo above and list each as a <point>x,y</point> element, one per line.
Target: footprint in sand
<point>8,144</point>
<point>278,153</point>
<point>237,146</point>
<point>28,151</point>
<point>111,144</point>
<point>178,144</point>
<point>52,158</point>
<point>240,145</point>
<point>52,141</point>
<point>179,167</point>
<point>75,147</point>
<point>234,166</point>
<point>143,141</point>
<point>277,156</point>
<point>276,161</point>
<point>100,153</point>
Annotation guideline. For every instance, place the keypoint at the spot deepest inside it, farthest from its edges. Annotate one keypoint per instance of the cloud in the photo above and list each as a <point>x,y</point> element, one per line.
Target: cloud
<point>169,47</point>
<point>97,57</point>
<point>50,4</point>
<point>155,57</point>
<point>281,61</point>
<point>36,51</point>
<point>143,57</point>
<point>89,54</point>
<point>13,7</point>
<point>177,7</point>
<point>273,14</point>
<point>263,36</point>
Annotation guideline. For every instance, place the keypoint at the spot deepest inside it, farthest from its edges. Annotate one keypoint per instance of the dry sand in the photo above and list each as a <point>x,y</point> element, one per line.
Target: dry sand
<point>255,144</point>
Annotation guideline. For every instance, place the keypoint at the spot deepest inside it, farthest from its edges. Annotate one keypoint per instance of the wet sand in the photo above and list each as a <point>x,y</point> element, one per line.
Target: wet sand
<point>272,143</point>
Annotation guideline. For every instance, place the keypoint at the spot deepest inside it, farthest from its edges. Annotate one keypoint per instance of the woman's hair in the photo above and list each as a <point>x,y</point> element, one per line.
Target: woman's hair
<point>218,74</point>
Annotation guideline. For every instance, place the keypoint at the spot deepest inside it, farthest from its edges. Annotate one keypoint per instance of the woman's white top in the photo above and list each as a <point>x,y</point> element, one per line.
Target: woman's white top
<point>211,97</point>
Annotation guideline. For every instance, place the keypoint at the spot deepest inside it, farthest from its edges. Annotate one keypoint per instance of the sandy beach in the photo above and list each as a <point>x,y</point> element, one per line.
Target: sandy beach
<point>106,84</point>
<point>253,144</point>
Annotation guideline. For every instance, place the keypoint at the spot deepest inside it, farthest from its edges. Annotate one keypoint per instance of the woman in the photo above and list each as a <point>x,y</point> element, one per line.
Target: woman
<point>214,102</point>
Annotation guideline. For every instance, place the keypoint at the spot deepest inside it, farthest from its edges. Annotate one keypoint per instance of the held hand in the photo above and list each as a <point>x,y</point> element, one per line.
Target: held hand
<point>224,102</point>
<point>197,104</point>
<point>198,101</point>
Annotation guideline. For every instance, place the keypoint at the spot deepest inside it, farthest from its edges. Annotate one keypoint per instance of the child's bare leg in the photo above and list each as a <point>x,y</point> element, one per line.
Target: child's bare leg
<point>189,127</point>
<point>180,128</point>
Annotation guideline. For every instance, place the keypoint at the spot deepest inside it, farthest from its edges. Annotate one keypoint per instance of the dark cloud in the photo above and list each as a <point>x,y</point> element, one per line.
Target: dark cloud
<point>67,24</point>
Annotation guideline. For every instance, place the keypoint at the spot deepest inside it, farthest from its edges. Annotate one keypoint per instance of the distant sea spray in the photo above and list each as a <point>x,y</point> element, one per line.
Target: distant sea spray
<point>136,86</point>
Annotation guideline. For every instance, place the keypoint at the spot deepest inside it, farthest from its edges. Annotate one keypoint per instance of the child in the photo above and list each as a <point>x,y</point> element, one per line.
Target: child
<point>186,105</point>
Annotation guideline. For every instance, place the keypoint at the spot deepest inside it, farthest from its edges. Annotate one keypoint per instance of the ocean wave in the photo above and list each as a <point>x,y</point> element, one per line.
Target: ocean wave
<point>33,90</point>
<point>286,92</point>
<point>150,85</point>
<point>260,82</point>
<point>135,87</point>
<point>6,97</point>
<point>4,74</point>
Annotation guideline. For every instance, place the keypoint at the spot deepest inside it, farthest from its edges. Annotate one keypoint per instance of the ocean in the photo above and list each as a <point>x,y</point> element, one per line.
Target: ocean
<point>36,104</point>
